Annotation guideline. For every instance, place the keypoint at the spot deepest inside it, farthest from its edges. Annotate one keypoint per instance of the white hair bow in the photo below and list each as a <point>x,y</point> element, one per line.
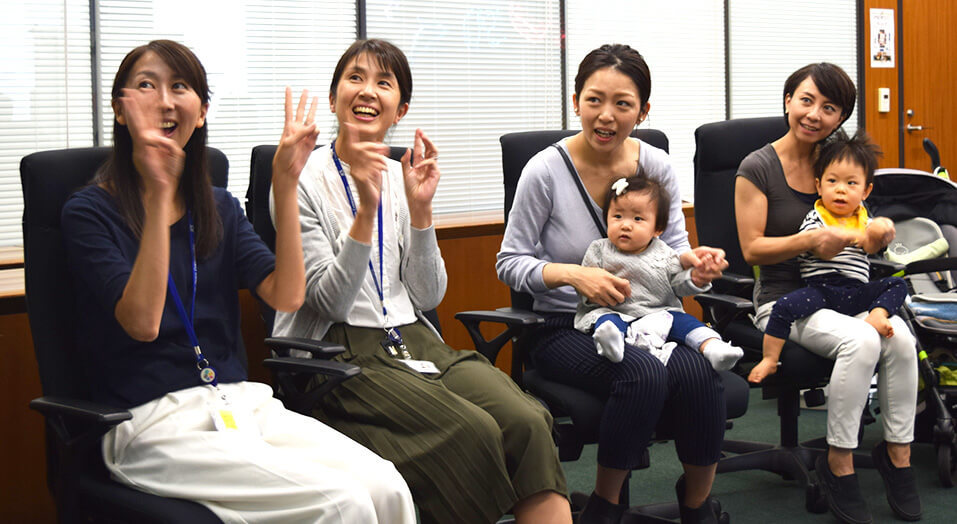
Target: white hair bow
<point>619,186</point>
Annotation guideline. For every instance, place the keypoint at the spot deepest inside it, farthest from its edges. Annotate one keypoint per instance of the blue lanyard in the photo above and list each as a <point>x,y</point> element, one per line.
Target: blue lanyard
<point>206,372</point>
<point>352,205</point>
<point>393,333</point>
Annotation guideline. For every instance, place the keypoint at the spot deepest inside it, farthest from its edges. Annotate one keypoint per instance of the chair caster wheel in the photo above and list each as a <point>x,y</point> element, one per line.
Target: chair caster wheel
<point>724,518</point>
<point>814,500</point>
<point>946,464</point>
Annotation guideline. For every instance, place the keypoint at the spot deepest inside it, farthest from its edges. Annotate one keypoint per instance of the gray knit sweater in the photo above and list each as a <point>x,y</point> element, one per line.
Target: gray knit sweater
<point>337,266</point>
<point>656,278</point>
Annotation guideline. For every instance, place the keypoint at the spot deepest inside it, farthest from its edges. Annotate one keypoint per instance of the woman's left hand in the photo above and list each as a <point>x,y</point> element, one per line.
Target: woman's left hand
<point>420,169</point>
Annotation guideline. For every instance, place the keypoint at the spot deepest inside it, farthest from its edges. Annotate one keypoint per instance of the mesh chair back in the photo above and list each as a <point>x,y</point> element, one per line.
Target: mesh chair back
<point>519,148</point>
<point>721,146</point>
<point>48,179</point>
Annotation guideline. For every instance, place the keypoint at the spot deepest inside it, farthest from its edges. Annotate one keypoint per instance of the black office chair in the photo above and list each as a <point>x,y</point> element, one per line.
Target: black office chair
<point>76,475</point>
<point>257,211</point>
<point>577,412</point>
<point>721,146</point>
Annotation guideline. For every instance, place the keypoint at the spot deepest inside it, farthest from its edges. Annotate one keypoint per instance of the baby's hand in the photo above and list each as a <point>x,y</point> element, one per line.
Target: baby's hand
<point>764,369</point>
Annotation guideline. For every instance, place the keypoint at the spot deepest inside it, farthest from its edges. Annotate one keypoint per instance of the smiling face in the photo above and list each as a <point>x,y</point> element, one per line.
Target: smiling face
<point>368,96</point>
<point>631,221</point>
<point>610,107</point>
<point>176,108</point>
<point>812,117</point>
<point>843,187</point>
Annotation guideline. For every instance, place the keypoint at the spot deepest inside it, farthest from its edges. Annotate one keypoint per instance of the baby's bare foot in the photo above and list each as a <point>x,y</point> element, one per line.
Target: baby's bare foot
<point>881,323</point>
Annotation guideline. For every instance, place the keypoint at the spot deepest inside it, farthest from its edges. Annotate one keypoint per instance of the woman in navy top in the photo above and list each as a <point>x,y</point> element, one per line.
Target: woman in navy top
<point>158,255</point>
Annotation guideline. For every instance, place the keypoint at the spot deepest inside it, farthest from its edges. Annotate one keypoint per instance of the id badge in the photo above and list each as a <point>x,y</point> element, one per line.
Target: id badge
<point>229,417</point>
<point>422,366</point>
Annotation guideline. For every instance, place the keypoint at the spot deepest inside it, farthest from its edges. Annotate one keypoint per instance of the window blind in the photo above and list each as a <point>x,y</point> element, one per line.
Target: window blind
<point>479,70</point>
<point>46,99</point>
<point>683,43</point>
<point>251,50</point>
<point>771,40</point>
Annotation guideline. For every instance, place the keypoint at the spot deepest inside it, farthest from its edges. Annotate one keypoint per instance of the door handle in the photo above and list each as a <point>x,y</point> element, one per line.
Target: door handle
<point>911,128</point>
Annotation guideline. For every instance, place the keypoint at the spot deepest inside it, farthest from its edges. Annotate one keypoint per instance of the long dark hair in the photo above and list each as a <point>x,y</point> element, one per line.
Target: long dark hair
<point>119,174</point>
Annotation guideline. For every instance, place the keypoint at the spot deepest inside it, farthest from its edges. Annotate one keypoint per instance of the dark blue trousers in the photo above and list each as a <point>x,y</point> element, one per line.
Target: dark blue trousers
<point>683,400</point>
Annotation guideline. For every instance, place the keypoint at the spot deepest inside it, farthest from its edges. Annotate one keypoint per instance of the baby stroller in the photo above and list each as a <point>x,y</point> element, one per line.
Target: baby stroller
<point>924,209</point>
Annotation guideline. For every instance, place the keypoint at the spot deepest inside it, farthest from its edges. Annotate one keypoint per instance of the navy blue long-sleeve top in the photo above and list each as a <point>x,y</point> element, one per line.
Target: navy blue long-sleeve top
<point>101,250</point>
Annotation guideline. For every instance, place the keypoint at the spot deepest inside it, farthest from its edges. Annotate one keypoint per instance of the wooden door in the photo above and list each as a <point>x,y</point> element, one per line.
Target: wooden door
<point>929,70</point>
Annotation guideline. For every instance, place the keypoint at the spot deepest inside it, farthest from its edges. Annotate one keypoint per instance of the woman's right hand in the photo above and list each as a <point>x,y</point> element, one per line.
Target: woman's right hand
<point>157,158</point>
<point>299,134</point>
<point>367,162</point>
<point>599,286</point>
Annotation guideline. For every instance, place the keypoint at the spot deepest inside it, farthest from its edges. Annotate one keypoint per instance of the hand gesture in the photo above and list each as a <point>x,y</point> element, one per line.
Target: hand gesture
<point>708,263</point>
<point>829,241</point>
<point>421,171</point>
<point>367,161</point>
<point>158,158</point>
<point>601,287</point>
<point>880,231</point>
<point>299,134</point>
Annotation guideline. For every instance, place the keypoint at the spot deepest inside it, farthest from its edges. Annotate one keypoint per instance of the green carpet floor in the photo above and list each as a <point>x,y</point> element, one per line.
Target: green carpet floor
<point>762,497</point>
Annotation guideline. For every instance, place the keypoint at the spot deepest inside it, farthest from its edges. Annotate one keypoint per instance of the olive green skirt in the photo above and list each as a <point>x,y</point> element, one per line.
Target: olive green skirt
<point>467,440</point>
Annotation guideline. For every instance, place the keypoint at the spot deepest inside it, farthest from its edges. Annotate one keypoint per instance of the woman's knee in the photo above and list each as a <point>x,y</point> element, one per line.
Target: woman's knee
<point>859,344</point>
<point>388,490</point>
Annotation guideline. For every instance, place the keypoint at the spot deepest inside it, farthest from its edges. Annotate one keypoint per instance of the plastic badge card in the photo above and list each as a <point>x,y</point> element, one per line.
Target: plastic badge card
<point>422,366</point>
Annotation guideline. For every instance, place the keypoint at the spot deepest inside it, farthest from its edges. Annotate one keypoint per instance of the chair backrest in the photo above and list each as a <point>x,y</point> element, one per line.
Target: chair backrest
<point>48,179</point>
<point>518,148</point>
<point>720,148</point>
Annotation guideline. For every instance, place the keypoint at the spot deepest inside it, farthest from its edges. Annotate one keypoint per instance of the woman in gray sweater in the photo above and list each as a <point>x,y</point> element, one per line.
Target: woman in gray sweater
<point>470,444</point>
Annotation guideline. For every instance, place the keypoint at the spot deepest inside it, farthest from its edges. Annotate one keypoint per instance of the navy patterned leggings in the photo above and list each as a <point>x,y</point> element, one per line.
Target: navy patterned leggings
<point>841,294</point>
<point>683,400</point>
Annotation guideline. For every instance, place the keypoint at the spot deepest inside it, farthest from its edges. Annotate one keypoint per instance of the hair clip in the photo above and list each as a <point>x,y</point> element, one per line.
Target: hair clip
<point>620,186</point>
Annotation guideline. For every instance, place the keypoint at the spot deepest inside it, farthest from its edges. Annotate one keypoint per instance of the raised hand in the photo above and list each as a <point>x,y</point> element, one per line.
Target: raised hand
<point>367,162</point>
<point>299,134</point>
<point>420,170</point>
<point>158,158</point>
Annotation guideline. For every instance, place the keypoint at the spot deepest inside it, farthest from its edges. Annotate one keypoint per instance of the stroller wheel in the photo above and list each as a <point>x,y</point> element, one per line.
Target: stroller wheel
<point>946,464</point>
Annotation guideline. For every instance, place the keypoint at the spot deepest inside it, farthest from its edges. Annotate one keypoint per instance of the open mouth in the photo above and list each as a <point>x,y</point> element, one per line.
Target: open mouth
<point>168,128</point>
<point>365,112</point>
<point>810,128</point>
<point>604,134</point>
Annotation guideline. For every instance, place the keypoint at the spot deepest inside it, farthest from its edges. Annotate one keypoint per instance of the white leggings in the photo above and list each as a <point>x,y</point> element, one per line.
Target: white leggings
<point>857,349</point>
<point>298,470</point>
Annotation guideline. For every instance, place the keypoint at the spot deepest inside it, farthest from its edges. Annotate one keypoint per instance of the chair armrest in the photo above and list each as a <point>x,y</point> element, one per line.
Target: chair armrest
<point>723,301</point>
<point>881,268</point>
<point>931,265</point>
<point>733,284</point>
<point>515,320</point>
<point>80,410</point>
<point>318,348</point>
<point>329,368</point>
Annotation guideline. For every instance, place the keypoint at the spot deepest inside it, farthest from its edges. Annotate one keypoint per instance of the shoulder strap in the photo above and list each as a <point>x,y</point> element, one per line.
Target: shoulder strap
<point>581,190</point>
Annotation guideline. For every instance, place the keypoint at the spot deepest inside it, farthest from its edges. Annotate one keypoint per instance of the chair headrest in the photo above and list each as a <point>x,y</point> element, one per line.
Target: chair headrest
<point>723,145</point>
